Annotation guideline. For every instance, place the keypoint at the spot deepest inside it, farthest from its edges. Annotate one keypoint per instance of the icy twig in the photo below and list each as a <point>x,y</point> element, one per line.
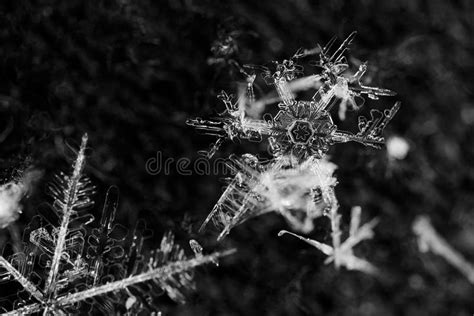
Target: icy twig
<point>430,240</point>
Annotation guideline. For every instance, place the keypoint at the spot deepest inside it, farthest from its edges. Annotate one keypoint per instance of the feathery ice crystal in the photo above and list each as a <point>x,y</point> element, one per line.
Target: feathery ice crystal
<point>298,191</point>
<point>69,265</point>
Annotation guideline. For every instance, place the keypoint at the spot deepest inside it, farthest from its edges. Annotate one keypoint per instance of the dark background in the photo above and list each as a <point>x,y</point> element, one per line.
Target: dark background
<point>130,72</point>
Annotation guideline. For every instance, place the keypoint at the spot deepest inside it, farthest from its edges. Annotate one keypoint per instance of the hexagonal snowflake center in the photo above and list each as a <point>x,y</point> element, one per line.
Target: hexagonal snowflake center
<point>300,132</point>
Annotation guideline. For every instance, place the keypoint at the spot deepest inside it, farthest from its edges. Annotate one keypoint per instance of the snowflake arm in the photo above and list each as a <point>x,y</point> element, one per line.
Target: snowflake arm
<point>342,253</point>
<point>73,198</point>
<point>25,283</point>
<point>370,131</point>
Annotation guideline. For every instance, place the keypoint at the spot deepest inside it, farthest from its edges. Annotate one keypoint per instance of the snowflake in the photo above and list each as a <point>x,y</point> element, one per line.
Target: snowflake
<point>303,128</point>
<point>300,135</point>
<point>297,191</point>
<point>341,253</point>
<point>68,267</point>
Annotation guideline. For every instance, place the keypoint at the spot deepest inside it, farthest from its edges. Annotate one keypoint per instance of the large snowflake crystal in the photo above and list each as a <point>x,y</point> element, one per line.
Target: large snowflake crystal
<point>302,130</point>
<point>70,264</point>
<point>304,127</point>
<point>299,135</point>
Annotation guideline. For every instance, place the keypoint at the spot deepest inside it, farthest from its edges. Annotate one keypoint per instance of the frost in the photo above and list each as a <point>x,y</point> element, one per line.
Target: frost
<point>69,265</point>
<point>341,253</point>
<point>430,240</point>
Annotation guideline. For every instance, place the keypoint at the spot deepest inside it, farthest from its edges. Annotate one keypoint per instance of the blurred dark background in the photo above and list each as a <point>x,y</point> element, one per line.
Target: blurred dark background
<point>130,72</point>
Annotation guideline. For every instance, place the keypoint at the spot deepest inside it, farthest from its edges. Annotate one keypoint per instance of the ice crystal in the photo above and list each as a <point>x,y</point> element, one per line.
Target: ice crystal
<point>71,265</point>
<point>299,191</point>
<point>232,124</point>
<point>348,89</point>
<point>430,240</point>
<point>298,182</point>
<point>341,253</point>
<point>303,127</point>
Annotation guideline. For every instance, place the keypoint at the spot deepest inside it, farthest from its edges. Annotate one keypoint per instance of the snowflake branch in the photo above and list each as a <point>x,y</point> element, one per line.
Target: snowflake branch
<point>27,285</point>
<point>326,249</point>
<point>67,209</point>
<point>28,309</point>
<point>160,274</point>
